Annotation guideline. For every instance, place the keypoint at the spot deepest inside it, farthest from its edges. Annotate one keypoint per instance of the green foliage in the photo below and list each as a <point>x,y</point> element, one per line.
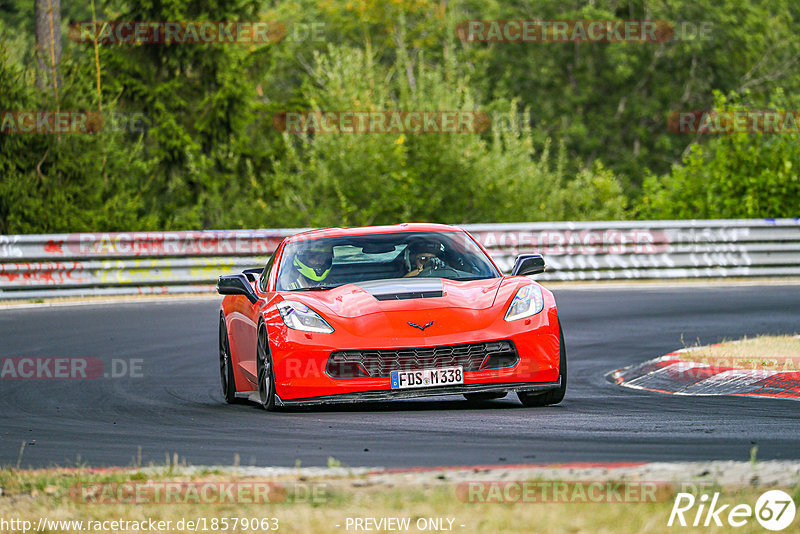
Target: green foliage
<point>69,182</point>
<point>210,132</point>
<point>595,194</point>
<point>609,101</point>
<point>579,130</point>
<point>741,175</point>
<point>378,178</point>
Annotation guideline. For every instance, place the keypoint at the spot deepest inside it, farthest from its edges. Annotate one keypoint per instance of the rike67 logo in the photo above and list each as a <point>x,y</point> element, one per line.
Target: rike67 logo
<point>774,510</point>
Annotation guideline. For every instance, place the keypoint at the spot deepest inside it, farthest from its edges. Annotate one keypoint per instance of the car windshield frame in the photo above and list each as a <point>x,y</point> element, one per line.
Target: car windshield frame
<point>386,256</point>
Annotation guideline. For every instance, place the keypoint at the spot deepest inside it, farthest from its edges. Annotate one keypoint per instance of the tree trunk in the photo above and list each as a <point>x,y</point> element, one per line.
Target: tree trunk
<point>48,44</point>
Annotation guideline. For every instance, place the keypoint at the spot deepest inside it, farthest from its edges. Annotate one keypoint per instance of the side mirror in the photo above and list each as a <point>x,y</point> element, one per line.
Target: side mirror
<point>527,264</point>
<point>253,274</point>
<point>236,284</point>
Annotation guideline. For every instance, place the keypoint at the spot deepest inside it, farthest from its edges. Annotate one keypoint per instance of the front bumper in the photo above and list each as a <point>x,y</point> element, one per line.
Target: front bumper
<point>300,359</point>
<point>394,394</point>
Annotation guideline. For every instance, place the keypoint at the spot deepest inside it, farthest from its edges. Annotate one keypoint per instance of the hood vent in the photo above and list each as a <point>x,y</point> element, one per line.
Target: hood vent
<point>403,288</point>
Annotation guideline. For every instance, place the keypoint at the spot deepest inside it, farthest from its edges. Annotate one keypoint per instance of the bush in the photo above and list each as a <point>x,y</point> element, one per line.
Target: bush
<point>742,175</point>
<point>70,182</point>
<point>377,178</point>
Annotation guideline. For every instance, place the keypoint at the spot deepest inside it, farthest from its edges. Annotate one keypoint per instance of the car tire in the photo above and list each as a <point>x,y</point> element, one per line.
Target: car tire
<point>554,396</point>
<point>226,365</point>
<point>485,395</point>
<point>265,371</point>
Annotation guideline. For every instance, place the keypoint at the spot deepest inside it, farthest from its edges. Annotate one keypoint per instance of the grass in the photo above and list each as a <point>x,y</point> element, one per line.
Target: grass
<point>50,493</point>
<point>776,353</point>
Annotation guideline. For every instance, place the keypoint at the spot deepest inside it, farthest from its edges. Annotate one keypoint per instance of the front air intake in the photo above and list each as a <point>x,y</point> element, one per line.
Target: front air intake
<point>381,362</point>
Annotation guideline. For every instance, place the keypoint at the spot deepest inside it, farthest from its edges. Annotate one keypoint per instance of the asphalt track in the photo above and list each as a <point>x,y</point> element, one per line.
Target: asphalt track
<point>176,407</point>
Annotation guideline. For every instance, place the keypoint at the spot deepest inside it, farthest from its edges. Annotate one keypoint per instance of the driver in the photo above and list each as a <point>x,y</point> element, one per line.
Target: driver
<point>424,254</point>
<point>311,266</point>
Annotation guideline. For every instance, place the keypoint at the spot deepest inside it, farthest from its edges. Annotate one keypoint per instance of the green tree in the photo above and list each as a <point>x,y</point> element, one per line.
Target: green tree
<point>69,182</point>
<point>375,178</point>
<point>610,101</point>
<point>731,175</point>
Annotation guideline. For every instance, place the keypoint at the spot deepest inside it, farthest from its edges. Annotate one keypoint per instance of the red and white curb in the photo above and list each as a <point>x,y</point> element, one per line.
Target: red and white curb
<point>672,374</point>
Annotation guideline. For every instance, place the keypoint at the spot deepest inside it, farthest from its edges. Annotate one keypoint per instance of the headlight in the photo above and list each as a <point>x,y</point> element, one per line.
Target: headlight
<point>528,301</point>
<point>298,316</point>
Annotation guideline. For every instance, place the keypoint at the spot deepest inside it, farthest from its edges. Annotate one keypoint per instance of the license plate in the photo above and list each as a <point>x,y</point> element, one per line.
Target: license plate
<point>427,378</point>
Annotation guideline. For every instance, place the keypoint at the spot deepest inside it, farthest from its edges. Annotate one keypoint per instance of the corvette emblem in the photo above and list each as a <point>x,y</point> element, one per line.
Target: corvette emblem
<point>423,327</point>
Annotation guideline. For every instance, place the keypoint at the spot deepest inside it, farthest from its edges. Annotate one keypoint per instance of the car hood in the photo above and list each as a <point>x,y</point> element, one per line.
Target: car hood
<point>386,307</point>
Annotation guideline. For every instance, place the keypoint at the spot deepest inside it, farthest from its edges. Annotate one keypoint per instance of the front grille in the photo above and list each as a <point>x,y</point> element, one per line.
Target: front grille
<point>380,363</point>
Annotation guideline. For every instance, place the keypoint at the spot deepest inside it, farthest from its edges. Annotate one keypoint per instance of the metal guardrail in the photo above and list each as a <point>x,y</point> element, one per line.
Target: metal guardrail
<point>39,266</point>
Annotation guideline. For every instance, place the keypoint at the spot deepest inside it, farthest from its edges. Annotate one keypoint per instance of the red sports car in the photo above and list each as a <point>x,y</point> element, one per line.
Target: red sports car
<point>387,312</point>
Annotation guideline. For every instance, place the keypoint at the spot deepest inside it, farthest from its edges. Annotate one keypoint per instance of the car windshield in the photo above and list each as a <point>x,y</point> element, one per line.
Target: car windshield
<point>319,264</point>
